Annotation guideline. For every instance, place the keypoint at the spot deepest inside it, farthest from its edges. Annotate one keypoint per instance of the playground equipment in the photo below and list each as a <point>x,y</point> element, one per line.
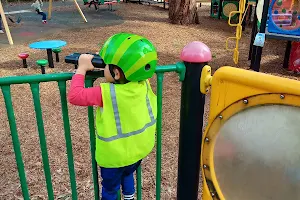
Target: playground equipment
<point>8,34</point>
<point>56,51</point>
<point>215,8</point>
<point>284,17</point>
<point>228,7</point>
<point>221,8</point>
<point>231,13</point>
<point>7,30</point>
<point>238,33</point>
<point>8,14</point>
<point>250,148</point>
<point>24,56</point>
<point>97,3</point>
<point>42,64</point>
<point>276,20</point>
<point>294,62</point>
<point>48,45</point>
<point>76,4</point>
<point>154,2</point>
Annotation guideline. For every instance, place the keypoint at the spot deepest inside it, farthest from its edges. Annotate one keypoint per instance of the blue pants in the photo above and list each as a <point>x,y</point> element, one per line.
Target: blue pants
<point>43,15</point>
<point>112,178</point>
<point>0,23</point>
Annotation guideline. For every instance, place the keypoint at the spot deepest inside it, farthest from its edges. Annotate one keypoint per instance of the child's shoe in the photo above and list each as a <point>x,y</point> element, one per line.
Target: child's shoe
<point>44,21</point>
<point>1,32</point>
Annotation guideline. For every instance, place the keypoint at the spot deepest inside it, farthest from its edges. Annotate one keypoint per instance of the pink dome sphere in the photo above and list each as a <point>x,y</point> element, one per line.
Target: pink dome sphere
<point>196,52</point>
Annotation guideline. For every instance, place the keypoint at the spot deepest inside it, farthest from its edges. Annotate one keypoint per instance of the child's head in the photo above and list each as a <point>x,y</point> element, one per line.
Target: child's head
<point>128,57</point>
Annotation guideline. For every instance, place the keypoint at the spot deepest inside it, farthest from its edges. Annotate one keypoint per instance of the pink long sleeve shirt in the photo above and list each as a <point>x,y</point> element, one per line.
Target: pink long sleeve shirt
<point>81,96</point>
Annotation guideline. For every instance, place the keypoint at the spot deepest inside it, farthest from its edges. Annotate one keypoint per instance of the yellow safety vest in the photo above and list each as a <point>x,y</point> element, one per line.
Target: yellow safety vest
<point>126,124</point>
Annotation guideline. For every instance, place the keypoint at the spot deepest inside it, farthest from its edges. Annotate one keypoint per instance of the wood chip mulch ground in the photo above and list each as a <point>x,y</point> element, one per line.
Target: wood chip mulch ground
<point>150,21</point>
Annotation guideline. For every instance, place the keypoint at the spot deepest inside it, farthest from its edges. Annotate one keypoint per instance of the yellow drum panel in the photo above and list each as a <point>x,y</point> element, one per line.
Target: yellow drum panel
<point>257,154</point>
<point>251,146</point>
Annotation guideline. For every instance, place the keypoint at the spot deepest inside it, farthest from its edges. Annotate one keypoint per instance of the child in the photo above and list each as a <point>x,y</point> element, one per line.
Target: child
<point>127,108</point>
<point>37,5</point>
<point>1,31</point>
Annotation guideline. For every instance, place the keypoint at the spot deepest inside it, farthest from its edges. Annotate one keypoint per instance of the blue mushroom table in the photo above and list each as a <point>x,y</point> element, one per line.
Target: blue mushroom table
<point>48,45</point>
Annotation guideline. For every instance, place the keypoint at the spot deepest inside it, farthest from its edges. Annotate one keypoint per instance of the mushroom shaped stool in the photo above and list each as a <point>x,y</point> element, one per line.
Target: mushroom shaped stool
<point>42,63</point>
<point>57,51</point>
<point>24,56</point>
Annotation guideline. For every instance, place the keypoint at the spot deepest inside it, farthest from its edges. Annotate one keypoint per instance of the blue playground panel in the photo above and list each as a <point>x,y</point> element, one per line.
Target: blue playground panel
<point>273,28</point>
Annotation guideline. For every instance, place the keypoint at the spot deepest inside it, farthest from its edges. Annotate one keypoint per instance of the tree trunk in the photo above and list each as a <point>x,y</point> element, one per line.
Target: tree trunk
<point>183,12</point>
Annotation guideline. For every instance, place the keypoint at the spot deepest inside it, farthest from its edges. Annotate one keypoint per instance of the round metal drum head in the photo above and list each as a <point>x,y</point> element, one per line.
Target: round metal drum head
<point>228,8</point>
<point>257,154</point>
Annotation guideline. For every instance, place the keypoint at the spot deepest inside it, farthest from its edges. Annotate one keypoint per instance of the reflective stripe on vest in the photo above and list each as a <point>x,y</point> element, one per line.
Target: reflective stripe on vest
<point>120,134</point>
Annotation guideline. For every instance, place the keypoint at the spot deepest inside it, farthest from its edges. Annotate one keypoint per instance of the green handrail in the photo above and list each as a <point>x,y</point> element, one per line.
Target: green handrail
<point>61,78</point>
<point>39,78</point>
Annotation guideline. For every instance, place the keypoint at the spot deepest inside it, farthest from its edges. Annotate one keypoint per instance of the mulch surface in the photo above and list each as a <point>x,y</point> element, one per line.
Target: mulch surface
<point>150,21</point>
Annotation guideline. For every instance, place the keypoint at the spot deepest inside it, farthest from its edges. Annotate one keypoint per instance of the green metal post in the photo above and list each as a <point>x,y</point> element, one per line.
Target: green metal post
<point>139,182</point>
<point>160,77</point>
<point>119,195</point>
<point>40,124</point>
<point>64,107</point>
<point>15,139</point>
<point>89,83</point>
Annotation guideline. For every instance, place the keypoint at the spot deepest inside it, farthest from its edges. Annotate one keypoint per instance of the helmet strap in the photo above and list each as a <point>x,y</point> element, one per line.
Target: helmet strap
<point>122,80</point>
<point>111,70</point>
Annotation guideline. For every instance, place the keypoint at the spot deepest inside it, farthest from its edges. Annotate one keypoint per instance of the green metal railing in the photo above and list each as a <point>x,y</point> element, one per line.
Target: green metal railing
<point>61,79</point>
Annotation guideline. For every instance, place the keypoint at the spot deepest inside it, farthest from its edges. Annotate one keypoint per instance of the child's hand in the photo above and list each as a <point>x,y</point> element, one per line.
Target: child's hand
<point>85,63</point>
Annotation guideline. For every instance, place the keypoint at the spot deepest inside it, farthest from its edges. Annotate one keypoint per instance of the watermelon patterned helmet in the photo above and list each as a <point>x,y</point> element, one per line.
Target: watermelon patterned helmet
<point>134,54</point>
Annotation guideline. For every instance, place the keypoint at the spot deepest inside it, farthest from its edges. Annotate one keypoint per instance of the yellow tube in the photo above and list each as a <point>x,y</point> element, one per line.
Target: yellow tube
<point>50,10</point>
<point>80,11</point>
<point>238,33</point>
